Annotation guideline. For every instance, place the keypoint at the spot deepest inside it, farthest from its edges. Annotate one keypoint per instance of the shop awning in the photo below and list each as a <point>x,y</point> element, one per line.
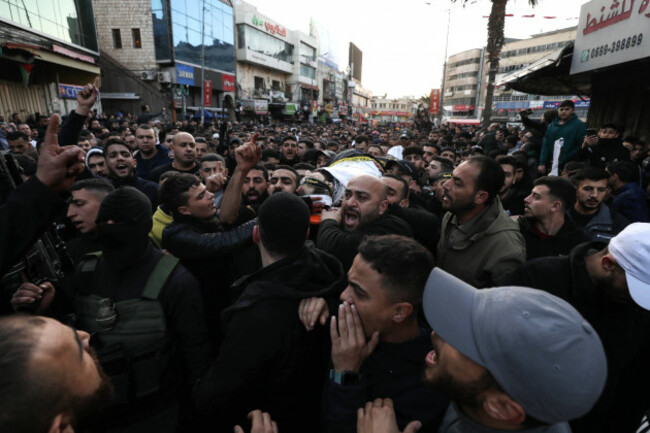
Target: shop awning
<point>549,76</point>
<point>65,61</point>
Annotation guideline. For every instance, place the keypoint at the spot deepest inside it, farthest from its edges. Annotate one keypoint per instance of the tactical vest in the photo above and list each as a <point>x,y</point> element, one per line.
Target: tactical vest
<point>130,336</point>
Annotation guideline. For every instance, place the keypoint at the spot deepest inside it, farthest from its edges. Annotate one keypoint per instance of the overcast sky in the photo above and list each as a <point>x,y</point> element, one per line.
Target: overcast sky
<point>403,42</point>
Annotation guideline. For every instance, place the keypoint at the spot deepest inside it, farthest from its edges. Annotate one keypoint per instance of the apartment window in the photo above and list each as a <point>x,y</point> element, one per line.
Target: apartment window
<point>259,83</point>
<point>117,38</point>
<point>137,42</point>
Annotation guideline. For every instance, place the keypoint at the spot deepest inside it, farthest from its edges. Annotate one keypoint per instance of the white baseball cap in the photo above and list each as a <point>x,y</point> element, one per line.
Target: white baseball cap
<point>631,250</point>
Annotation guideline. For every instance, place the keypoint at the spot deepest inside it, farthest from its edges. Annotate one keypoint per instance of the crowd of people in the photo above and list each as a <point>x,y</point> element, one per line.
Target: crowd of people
<point>321,277</point>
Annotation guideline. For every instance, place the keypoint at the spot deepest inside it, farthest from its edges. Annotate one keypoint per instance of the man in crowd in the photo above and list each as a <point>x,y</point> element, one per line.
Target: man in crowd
<point>378,348</point>
<point>589,210</point>
<point>255,189</point>
<point>184,151</point>
<point>284,178</point>
<point>605,147</point>
<point>121,168</point>
<point>18,142</point>
<point>436,166</point>
<point>629,197</point>
<point>96,162</point>
<point>479,243</point>
<point>289,149</point>
<point>570,130</point>
<point>51,365</point>
<point>263,333</point>
<point>150,155</point>
<point>512,199</point>
<point>87,196</point>
<point>605,283</point>
<point>486,341</point>
<point>362,213</point>
<point>546,226</point>
<point>214,175</point>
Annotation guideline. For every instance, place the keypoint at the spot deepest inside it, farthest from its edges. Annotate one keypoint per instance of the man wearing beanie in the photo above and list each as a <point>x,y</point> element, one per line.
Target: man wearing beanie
<point>268,360</point>
<point>145,314</point>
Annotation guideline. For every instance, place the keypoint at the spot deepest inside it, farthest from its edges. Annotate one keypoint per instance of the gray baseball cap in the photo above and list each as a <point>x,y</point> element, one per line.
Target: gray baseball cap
<point>538,348</point>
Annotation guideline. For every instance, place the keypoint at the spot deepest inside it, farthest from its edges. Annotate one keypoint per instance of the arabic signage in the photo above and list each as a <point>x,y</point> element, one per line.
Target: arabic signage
<point>207,93</point>
<point>578,103</point>
<point>69,91</point>
<point>434,106</point>
<point>228,82</point>
<point>274,29</point>
<point>611,32</point>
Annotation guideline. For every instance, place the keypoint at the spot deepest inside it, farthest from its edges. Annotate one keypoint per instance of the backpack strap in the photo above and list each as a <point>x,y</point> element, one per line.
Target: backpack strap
<point>159,276</point>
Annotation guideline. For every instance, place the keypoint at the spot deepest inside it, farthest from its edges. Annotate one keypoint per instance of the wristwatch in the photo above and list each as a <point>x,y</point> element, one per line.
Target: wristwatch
<point>345,377</point>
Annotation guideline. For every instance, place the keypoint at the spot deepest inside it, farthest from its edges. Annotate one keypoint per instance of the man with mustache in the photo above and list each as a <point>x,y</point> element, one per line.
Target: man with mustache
<point>589,211</point>
<point>362,213</point>
<point>183,148</point>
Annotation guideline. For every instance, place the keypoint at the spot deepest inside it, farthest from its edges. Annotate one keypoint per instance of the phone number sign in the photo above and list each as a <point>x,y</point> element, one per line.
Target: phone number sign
<point>611,32</point>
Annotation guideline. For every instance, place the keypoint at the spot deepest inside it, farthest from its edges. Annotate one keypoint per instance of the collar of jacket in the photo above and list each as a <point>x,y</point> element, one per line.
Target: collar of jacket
<point>492,220</point>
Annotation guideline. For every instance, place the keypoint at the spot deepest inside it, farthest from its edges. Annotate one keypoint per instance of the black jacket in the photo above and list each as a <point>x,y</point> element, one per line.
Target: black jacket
<point>622,327</point>
<point>391,371</point>
<point>344,244</point>
<point>268,360</point>
<point>606,150</point>
<point>425,225</point>
<point>209,253</point>
<point>564,240</point>
<point>146,187</point>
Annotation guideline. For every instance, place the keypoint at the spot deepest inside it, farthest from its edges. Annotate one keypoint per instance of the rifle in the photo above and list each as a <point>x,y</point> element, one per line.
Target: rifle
<point>46,259</point>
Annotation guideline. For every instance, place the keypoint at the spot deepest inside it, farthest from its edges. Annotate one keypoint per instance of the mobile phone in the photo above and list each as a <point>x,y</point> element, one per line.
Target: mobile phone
<point>592,131</point>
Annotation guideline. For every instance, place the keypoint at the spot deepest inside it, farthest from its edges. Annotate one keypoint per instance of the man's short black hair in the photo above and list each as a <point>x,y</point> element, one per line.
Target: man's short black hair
<point>490,177</point>
<point>264,171</point>
<point>507,160</point>
<point>361,139</point>
<point>283,223</point>
<point>567,103</point>
<point>302,166</point>
<point>308,143</point>
<point>289,137</point>
<point>511,139</point>
<point>590,173</point>
<point>114,141</point>
<point>615,126</point>
<point>94,184</point>
<point>560,188</point>
<point>173,192</point>
<point>627,171</point>
<point>405,189</point>
<point>445,163</point>
<point>270,153</point>
<point>17,135</point>
<point>212,157</point>
<point>412,151</point>
<point>434,145</point>
<point>403,263</point>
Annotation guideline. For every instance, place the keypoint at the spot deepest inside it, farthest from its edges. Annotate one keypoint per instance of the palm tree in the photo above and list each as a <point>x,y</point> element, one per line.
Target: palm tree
<point>495,40</point>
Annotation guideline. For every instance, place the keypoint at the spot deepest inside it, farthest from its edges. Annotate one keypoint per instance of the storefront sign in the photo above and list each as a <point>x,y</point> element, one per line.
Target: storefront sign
<point>184,74</point>
<point>462,107</point>
<point>228,82</point>
<point>314,107</point>
<point>611,32</point>
<point>434,105</point>
<point>578,104</point>
<point>274,29</point>
<point>69,91</point>
<point>207,93</point>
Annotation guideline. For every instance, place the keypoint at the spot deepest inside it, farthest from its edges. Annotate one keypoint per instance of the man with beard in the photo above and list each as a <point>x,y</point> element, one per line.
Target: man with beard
<point>121,168</point>
<point>284,178</point>
<point>609,285</point>
<point>184,150</point>
<point>479,243</point>
<point>589,210</point>
<point>268,360</point>
<point>509,358</point>
<point>511,199</point>
<point>48,365</point>
<point>255,189</point>
<point>362,213</point>
<point>150,155</point>
<point>96,162</point>
<point>378,348</point>
<point>425,225</point>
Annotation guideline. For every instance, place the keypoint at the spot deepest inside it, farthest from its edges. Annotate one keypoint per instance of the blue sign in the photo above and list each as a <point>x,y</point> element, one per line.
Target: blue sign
<point>184,74</point>
<point>578,104</point>
<point>69,91</point>
<point>512,105</point>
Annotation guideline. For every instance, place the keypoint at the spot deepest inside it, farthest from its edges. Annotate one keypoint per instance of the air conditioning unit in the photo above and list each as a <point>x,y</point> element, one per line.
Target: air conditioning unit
<point>164,77</point>
<point>147,75</point>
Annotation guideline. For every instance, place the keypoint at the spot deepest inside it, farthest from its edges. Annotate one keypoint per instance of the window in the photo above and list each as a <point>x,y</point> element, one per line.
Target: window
<point>307,71</point>
<point>259,83</point>
<point>275,85</point>
<point>135,34</point>
<point>263,43</point>
<point>117,38</point>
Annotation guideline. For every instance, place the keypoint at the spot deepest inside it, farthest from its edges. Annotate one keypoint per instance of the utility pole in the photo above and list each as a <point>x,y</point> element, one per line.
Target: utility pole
<point>203,65</point>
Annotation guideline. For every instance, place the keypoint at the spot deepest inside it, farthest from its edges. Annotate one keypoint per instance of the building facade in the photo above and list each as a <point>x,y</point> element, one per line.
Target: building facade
<point>170,54</point>
<point>48,52</point>
<point>462,84</point>
<point>385,111</point>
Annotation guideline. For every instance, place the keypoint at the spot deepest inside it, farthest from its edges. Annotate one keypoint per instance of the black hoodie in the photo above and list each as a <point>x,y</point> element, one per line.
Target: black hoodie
<point>268,360</point>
